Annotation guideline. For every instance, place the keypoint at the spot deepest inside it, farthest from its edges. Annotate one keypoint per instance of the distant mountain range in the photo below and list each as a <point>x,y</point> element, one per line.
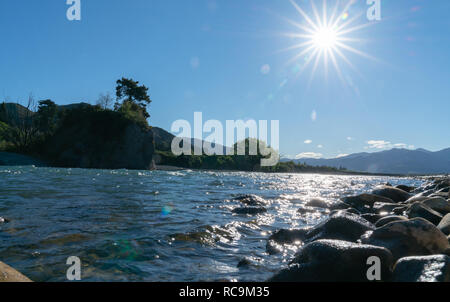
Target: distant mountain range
<point>395,161</point>
<point>163,141</point>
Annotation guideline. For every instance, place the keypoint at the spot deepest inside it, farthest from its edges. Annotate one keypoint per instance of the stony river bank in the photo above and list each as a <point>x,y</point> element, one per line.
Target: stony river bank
<point>406,228</point>
<point>289,228</point>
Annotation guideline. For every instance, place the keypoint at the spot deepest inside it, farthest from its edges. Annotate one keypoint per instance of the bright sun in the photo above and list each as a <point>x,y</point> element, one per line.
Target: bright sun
<point>324,37</point>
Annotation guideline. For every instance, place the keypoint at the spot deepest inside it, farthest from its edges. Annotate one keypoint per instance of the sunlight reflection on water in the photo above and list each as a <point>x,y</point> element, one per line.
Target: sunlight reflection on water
<point>155,226</point>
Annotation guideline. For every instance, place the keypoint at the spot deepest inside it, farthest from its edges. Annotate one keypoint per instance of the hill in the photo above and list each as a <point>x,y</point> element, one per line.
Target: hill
<point>163,141</point>
<point>89,137</point>
<point>395,161</point>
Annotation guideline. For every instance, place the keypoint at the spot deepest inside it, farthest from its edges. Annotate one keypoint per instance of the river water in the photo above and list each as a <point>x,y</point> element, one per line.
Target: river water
<point>156,225</point>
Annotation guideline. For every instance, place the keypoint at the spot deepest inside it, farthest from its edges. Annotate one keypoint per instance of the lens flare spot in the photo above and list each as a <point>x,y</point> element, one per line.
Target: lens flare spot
<point>265,69</point>
<point>166,211</point>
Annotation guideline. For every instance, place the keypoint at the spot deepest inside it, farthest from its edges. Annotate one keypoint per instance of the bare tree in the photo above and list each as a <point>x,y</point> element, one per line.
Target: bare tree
<point>105,101</point>
<point>21,119</point>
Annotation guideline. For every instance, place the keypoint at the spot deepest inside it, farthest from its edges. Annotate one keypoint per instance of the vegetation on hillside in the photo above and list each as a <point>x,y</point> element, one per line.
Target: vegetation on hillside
<point>251,163</point>
<point>27,129</point>
<point>64,134</point>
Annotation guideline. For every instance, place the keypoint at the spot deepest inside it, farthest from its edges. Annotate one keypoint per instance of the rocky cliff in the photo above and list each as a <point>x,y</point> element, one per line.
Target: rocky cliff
<point>100,140</point>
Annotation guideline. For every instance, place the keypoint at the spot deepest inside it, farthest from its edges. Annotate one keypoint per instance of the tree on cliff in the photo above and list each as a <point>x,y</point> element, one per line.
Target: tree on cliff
<point>47,117</point>
<point>105,101</point>
<point>3,112</point>
<point>23,128</point>
<point>132,96</point>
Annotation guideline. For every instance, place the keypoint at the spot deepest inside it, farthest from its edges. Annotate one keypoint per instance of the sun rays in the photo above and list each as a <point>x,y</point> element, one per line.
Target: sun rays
<point>324,38</point>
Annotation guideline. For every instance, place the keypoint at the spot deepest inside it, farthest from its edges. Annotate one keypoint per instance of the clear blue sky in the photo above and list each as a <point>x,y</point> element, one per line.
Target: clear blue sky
<point>214,56</point>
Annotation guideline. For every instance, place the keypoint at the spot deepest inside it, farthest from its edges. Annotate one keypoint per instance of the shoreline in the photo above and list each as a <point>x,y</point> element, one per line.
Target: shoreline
<point>392,223</point>
<point>406,228</point>
<point>16,159</point>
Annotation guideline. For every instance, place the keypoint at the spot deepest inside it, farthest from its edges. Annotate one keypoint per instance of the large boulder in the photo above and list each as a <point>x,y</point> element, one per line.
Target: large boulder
<point>438,204</point>
<point>338,205</point>
<point>365,201</point>
<point>9,274</point>
<point>306,210</point>
<point>405,188</point>
<point>323,204</point>
<point>317,203</point>
<point>444,190</point>
<point>425,193</point>
<point>381,207</point>
<point>417,198</point>
<point>440,194</point>
<point>251,200</point>
<point>444,225</point>
<point>334,261</point>
<point>388,219</point>
<point>284,236</point>
<point>421,210</point>
<point>279,238</point>
<point>443,183</point>
<point>414,237</point>
<point>434,268</point>
<point>340,226</point>
<point>373,218</point>
<point>249,210</point>
<point>392,193</point>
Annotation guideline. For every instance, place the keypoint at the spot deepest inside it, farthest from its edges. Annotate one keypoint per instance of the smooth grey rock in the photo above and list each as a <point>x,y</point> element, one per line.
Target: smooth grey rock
<point>434,268</point>
<point>249,210</point>
<point>317,203</point>
<point>405,188</point>
<point>284,236</point>
<point>417,198</point>
<point>338,205</point>
<point>441,184</point>
<point>334,261</point>
<point>380,207</point>
<point>444,225</point>
<point>400,211</point>
<point>349,210</point>
<point>305,210</point>
<point>340,226</point>
<point>251,200</point>
<point>420,210</point>
<point>244,263</point>
<point>440,194</point>
<point>365,202</point>
<point>388,219</point>
<point>414,237</point>
<point>352,210</point>
<point>9,274</point>
<point>438,204</point>
<point>444,190</point>
<point>373,218</point>
<point>395,194</point>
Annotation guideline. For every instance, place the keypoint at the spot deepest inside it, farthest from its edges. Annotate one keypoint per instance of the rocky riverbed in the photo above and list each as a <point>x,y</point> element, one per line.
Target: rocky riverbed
<point>406,228</point>
<point>211,226</point>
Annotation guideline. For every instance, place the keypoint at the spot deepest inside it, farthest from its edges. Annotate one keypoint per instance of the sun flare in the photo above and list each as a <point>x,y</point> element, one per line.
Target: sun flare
<point>325,37</point>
